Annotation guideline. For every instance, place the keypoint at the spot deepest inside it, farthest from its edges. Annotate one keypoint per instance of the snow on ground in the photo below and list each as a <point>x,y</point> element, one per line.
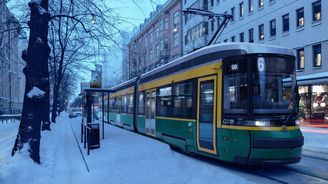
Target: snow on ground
<point>124,157</point>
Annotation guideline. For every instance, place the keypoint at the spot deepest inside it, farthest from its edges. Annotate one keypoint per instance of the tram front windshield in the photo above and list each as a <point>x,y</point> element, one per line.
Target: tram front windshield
<point>272,85</point>
<point>263,84</point>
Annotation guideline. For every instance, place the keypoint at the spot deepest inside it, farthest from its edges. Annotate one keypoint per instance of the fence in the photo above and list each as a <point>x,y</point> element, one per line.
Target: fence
<point>5,118</point>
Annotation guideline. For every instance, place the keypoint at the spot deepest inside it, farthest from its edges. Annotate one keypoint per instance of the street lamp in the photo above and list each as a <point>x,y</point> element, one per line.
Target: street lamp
<point>93,20</point>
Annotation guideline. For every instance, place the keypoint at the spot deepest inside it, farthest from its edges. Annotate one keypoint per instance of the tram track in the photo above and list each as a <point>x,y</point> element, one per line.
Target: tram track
<point>310,170</point>
<point>290,177</point>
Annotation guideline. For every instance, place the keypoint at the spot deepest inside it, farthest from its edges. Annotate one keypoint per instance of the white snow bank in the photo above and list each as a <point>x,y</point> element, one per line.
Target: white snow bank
<point>35,92</point>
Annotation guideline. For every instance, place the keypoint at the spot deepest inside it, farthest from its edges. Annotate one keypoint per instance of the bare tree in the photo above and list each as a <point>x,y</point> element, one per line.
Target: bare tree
<point>36,96</point>
<point>77,37</point>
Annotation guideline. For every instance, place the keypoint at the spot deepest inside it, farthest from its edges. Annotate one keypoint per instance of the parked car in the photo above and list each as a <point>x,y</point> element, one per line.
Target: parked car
<point>74,113</point>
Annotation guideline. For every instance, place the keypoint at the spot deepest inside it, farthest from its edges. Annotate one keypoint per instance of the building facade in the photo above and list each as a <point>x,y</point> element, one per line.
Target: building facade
<point>11,80</point>
<point>157,41</point>
<point>297,24</point>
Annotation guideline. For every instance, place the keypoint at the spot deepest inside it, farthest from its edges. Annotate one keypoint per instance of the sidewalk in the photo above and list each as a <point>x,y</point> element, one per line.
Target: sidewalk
<point>314,123</point>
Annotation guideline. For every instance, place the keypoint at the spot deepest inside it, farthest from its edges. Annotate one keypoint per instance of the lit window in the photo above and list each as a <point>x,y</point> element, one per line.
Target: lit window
<point>300,59</point>
<point>261,3</point>
<point>316,11</point>
<point>317,55</point>
<point>300,17</point>
<point>250,6</point>
<point>261,32</point>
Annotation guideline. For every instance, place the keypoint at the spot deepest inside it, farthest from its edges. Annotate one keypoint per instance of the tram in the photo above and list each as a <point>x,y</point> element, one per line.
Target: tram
<point>235,102</point>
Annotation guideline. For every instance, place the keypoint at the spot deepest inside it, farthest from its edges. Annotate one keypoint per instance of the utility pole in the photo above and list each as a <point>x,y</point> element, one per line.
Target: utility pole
<point>223,18</point>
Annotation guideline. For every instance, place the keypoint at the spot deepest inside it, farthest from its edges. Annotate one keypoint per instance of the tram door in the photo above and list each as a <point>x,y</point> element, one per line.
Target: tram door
<point>206,116</point>
<point>150,112</point>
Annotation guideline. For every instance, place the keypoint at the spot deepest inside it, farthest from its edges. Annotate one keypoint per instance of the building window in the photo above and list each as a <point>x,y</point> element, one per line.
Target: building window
<point>233,14</point>
<point>218,22</point>
<point>300,17</point>
<point>157,32</point>
<point>166,43</point>
<point>161,25</point>
<point>250,6</point>
<point>176,39</point>
<point>205,4</point>
<point>241,9</point>
<point>261,3</point>
<point>317,55</point>
<point>233,39</point>
<point>251,35</point>
<point>316,11</point>
<point>212,25</point>
<point>166,23</point>
<point>285,23</point>
<point>300,59</point>
<point>176,18</point>
<point>241,37</point>
<point>212,3</point>
<point>273,28</point>
<point>261,32</point>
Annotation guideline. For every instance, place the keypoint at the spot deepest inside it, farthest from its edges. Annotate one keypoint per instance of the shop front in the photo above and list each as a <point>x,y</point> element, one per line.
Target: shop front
<point>314,102</point>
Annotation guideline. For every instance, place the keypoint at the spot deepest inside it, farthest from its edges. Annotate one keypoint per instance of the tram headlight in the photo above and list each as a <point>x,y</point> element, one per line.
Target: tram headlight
<point>297,122</point>
<point>262,123</point>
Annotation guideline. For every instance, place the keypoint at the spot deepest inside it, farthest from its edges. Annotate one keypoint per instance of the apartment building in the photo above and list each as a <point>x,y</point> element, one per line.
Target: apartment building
<point>157,41</point>
<point>11,75</point>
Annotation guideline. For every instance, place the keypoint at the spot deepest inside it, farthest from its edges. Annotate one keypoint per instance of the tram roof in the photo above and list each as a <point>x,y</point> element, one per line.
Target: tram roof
<point>124,84</point>
<point>209,54</point>
<point>221,51</point>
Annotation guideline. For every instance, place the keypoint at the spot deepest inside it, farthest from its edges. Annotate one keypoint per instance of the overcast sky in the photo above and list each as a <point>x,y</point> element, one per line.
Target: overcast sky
<point>134,11</point>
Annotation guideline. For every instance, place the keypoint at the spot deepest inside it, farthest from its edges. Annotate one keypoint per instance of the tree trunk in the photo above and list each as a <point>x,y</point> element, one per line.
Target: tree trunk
<point>56,88</point>
<point>36,97</point>
<point>55,103</point>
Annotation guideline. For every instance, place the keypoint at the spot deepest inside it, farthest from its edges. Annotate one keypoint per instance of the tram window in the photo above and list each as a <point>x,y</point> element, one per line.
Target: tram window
<point>235,86</point>
<point>141,104</point>
<point>164,101</point>
<point>269,91</point>
<point>182,100</point>
<point>130,104</point>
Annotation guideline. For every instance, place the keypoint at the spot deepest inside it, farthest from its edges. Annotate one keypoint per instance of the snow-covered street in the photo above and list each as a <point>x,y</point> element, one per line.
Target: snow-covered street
<point>126,157</point>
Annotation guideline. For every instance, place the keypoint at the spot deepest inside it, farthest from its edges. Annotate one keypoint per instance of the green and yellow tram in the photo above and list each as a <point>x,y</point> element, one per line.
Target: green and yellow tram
<point>234,102</point>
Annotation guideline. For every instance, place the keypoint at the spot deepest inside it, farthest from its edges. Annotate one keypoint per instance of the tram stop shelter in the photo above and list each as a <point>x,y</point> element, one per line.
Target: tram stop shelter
<point>95,104</point>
